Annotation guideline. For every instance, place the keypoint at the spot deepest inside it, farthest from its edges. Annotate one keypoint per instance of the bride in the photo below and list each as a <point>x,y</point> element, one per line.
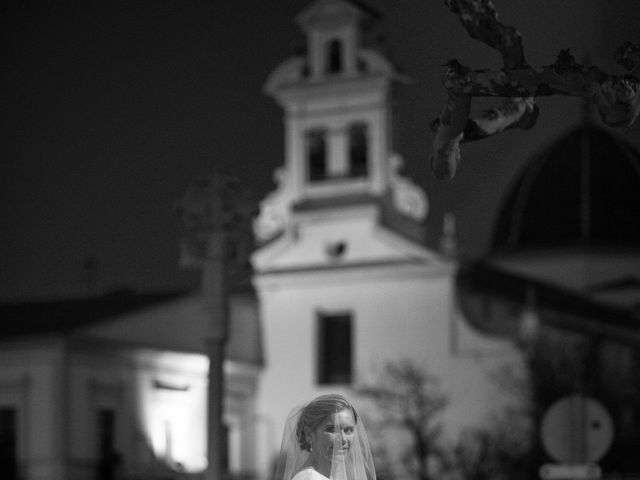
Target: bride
<point>325,439</point>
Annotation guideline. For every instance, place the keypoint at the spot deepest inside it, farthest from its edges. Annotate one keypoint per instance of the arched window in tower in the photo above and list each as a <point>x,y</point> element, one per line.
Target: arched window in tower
<point>334,56</point>
<point>316,154</point>
<point>358,150</point>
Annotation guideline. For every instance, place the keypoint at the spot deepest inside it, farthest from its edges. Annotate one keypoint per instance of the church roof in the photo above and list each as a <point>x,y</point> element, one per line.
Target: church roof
<point>568,233</point>
<point>583,190</point>
<point>172,321</point>
<point>62,316</point>
<point>493,300</point>
<point>323,8</point>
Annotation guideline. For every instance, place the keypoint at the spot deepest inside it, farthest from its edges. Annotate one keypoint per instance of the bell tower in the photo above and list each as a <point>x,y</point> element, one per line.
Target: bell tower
<point>341,264</point>
<point>337,118</point>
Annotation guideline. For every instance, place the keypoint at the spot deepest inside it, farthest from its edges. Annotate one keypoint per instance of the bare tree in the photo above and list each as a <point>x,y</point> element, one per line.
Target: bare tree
<point>617,97</point>
<point>502,449</point>
<point>411,399</point>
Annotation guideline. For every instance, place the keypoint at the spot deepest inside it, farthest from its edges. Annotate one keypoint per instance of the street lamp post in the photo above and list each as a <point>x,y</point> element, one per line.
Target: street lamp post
<point>529,321</point>
<point>211,215</point>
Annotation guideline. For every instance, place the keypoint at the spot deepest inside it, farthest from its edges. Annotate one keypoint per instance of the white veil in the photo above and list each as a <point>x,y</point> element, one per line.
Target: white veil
<point>350,460</point>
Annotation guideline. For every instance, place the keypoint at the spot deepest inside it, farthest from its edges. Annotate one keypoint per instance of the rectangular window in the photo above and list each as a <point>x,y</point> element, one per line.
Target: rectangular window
<point>8,443</point>
<point>335,335</point>
<point>358,150</point>
<point>334,56</point>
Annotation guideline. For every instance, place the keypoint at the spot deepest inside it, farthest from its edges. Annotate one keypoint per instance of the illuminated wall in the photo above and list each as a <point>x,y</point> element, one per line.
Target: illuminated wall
<point>154,401</point>
<point>171,393</point>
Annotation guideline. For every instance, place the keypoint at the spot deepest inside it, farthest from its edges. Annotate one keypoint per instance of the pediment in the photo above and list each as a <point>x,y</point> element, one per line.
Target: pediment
<point>334,239</point>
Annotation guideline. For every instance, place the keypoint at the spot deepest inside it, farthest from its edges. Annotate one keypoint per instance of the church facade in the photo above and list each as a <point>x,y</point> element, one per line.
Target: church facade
<point>343,285</point>
<point>344,282</point>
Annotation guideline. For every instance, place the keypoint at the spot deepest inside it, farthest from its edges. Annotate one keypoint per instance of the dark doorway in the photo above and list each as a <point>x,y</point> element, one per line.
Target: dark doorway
<point>108,457</point>
<point>8,443</point>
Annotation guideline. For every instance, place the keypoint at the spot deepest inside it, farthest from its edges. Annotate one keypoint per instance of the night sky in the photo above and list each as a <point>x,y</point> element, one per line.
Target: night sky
<point>110,110</point>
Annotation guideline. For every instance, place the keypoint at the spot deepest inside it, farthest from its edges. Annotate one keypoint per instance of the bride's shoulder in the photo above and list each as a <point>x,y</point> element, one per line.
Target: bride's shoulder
<point>309,474</point>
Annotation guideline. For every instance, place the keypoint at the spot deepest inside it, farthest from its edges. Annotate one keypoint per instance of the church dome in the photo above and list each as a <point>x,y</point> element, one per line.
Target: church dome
<point>582,191</point>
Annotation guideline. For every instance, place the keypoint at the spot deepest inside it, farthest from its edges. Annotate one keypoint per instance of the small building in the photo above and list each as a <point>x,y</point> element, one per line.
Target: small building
<point>94,388</point>
<point>567,247</point>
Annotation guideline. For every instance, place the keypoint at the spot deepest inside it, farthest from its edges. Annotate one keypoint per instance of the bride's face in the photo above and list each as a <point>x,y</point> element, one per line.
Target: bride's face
<point>337,431</point>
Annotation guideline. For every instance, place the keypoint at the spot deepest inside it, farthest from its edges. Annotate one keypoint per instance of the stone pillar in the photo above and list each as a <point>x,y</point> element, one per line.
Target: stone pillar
<point>212,214</point>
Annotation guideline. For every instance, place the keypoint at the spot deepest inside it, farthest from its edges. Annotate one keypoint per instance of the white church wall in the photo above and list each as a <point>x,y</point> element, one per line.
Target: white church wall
<point>398,313</point>
<point>337,255</point>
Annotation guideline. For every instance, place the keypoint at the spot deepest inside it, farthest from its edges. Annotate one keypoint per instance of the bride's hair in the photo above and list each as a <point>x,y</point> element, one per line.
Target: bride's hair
<point>354,462</point>
<point>316,411</point>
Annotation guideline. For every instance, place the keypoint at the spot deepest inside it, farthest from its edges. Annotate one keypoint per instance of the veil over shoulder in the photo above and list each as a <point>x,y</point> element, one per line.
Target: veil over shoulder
<point>348,453</point>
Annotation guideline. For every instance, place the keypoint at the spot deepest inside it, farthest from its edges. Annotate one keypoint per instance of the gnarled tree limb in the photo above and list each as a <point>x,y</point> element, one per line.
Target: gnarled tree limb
<point>480,19</point>
<point>617,97</point>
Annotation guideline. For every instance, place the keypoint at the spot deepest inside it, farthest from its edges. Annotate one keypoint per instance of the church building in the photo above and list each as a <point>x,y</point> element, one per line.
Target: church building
<point>344,281</point>
<point>342,285</point>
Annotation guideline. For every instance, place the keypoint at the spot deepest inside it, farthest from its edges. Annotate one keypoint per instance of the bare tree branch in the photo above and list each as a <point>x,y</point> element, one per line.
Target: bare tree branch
<point>412,399</point>
<point>480,19</point>
<point>617,97</point>
<point>515,112</point>
<point>628,55</point>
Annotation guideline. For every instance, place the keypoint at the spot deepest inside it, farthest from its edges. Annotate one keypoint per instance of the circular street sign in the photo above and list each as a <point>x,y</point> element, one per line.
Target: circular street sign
<point>577,429</point>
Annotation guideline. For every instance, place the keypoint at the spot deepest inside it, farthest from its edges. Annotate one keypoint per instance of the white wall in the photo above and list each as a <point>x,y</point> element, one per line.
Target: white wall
<point>402,311</point>
<point>57,391</point>
<point>30,381</point>
<point>174,419</point>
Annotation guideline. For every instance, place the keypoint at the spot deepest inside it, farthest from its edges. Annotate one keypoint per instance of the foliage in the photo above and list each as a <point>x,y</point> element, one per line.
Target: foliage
<point>412,401</point>
<point>501,451</point>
